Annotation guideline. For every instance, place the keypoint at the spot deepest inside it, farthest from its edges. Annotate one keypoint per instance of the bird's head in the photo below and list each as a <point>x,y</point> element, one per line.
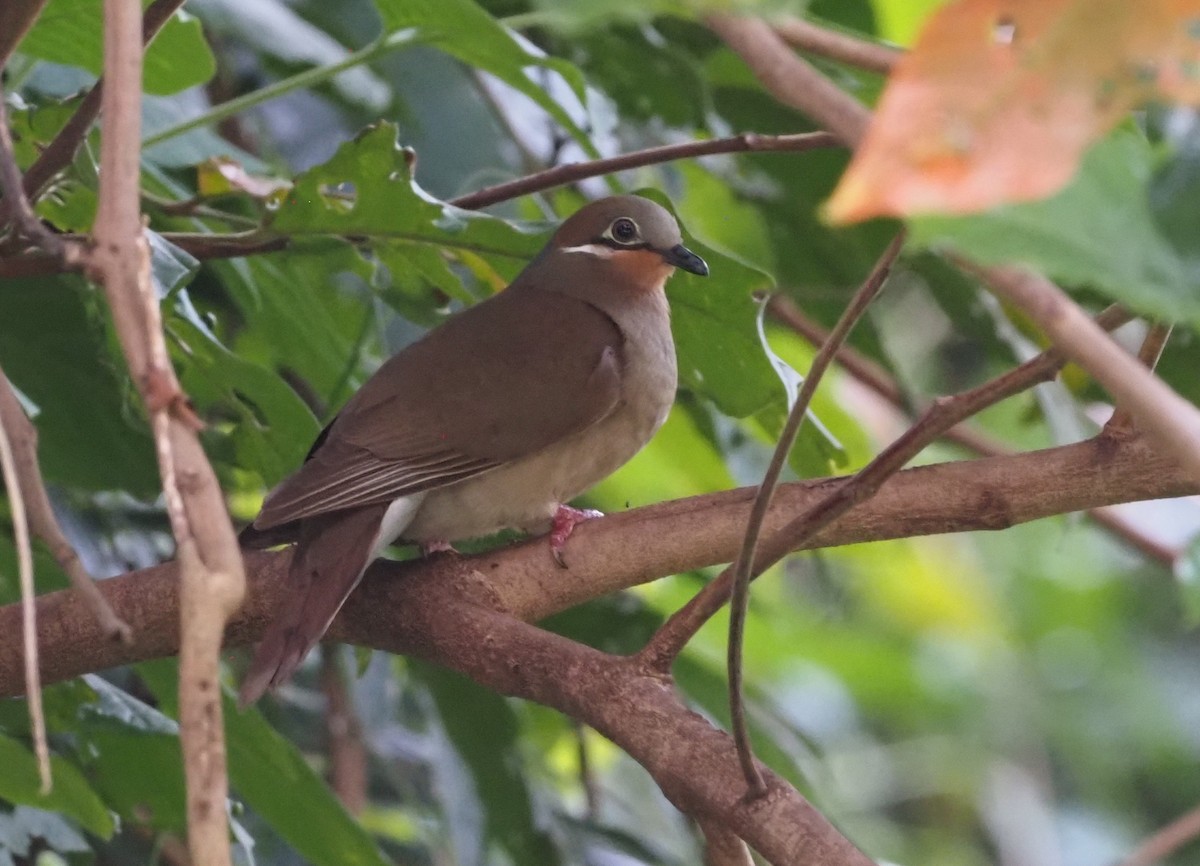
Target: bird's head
<point>637,238</point>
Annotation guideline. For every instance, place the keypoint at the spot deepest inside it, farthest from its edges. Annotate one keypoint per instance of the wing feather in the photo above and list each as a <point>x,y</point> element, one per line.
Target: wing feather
<point>433,415</point>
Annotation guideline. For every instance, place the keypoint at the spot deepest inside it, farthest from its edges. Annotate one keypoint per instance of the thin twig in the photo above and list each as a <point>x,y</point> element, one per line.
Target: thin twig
<point>42,522</point>
<point>347,770</point>
<point>27,221</point>
<point>560,175</point>
<point>33,686</point>
<point>1167,419</point>
<point>842,47</point>
<point>1150,351</point>
<point>587,776</point>
<point>862,368</point>
<point>205,246</point>
<point>1166,841</point>
<point>766,492</point>
<point>661,650</point>
<point>876,378</point>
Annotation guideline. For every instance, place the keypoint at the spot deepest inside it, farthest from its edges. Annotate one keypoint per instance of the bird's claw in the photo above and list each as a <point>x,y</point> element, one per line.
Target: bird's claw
<point>563,524</point>
<point>429,548</point>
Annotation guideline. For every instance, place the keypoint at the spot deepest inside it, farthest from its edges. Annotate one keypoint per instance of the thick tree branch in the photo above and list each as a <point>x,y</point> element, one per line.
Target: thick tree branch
<point>622,550</point>
<point>941,415</point>
<point>880,381</point>
<point>467,613</point>
<point>16,17</point>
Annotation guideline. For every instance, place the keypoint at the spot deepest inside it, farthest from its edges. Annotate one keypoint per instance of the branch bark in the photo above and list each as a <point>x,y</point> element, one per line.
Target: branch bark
<point>16,17</point>
<point>470,614</point>
<point>211,572</point>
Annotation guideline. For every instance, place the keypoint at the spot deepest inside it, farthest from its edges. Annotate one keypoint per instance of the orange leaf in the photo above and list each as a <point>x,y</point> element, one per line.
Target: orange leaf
<point>999,99</point>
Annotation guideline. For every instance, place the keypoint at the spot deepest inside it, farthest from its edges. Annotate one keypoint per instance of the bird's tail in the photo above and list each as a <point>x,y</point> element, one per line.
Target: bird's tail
<point>331,555</point>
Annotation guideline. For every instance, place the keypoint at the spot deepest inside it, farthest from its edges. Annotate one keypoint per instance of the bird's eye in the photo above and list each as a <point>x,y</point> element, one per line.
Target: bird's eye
<point>624,231</point>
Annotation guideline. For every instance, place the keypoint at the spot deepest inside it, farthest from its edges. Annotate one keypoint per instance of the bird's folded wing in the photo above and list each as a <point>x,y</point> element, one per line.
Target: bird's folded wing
<point>498,382</point>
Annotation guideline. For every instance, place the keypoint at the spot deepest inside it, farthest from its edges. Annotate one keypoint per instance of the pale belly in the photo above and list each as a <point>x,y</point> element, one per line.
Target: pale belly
<point>525,494</point>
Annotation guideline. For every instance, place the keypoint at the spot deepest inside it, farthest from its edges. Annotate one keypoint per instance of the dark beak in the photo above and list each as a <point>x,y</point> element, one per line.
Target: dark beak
<point>681,257</point>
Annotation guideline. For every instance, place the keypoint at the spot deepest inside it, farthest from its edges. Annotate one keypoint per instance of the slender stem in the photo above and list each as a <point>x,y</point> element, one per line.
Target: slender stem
<point>59,153</point>
<point>766,492</point>
<point>836,45</point>
<point>307,78</point>
<point>881,382</point>
<point>560,175</point>
<point>18,204</point>
<point>660,652</point>
<point>1166,841</point>
<point>33,685</point>
<point>42,522</point>
<point>1149,353</point>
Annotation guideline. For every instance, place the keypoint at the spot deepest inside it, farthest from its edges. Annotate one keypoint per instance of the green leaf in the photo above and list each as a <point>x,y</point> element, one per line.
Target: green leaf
<point>71,32</point>
<point>492,753</point>
<point>366,188</point>
<point>54,349</point>
<point>274,428</point>
<point>275,780</point>
<point>1097,232</point>
<point>301,314</point>
<point>71,794</point>
<point>461,28</point>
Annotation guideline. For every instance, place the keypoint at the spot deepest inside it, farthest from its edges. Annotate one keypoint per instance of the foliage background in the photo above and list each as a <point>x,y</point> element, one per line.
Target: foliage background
<point>1025,697</point>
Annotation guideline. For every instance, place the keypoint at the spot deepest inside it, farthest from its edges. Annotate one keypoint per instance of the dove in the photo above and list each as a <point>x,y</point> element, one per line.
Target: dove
<point>494,420</point>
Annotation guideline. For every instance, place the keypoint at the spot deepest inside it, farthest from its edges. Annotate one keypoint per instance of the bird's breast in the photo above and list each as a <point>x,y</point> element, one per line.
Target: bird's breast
<point>524,494</point>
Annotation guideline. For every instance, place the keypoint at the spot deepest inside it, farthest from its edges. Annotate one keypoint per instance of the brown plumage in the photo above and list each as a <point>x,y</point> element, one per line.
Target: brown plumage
<point>494,420</point>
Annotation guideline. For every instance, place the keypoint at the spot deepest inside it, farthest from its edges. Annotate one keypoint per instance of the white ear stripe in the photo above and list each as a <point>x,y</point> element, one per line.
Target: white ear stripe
<point>599,250</point>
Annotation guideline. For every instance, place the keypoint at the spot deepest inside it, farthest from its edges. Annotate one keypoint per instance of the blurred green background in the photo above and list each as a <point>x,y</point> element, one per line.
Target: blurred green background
<point>1025,697</point>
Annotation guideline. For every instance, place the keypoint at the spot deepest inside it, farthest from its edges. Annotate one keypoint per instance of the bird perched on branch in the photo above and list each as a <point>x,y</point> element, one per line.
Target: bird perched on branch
<point>494,420</point>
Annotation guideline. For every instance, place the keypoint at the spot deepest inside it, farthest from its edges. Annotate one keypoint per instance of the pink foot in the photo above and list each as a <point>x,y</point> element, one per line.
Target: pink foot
<point>429,548</point>
<point>564,522</point>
